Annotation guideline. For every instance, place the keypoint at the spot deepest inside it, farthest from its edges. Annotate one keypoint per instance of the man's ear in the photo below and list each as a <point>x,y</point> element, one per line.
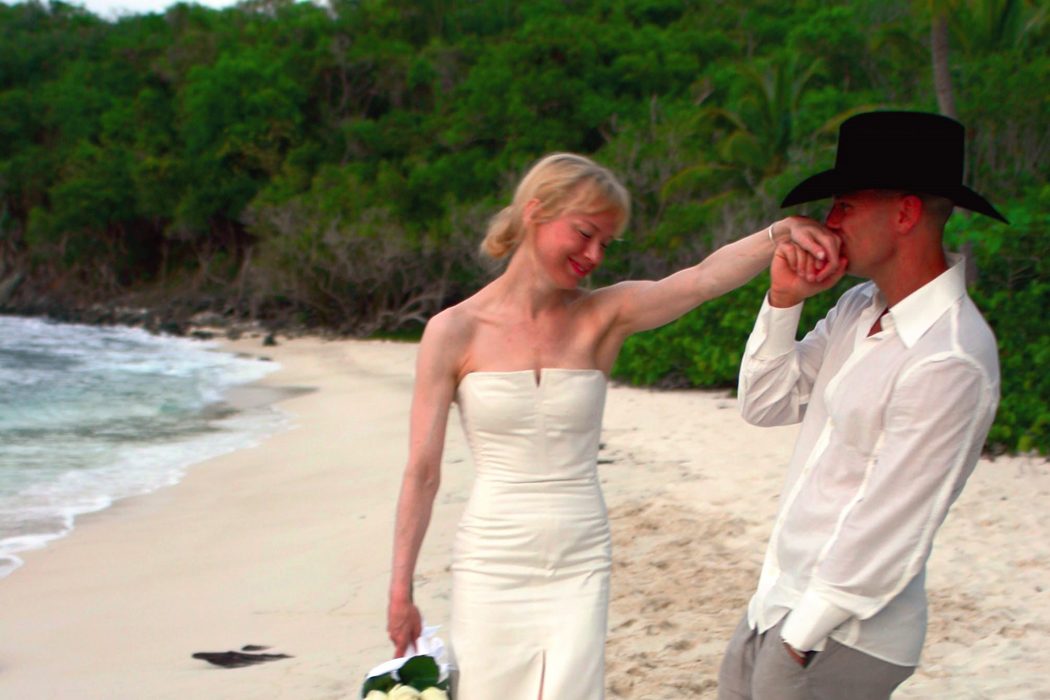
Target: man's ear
<point>909,213</point>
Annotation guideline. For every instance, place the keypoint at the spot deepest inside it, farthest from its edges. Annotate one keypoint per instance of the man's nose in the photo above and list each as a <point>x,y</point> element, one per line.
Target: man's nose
<point>833,217</point>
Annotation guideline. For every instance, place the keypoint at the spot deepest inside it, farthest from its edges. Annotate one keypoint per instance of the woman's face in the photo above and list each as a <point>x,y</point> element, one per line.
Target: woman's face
<point>572,245</point>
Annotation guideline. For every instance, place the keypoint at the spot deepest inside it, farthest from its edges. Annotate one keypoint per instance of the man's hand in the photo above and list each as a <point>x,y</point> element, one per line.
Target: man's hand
<point>811,237</point>
<point>802,658</point>
<point>808,264</point>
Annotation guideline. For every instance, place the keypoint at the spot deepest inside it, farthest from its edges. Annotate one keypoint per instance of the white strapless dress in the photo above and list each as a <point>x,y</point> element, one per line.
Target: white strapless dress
<point>530,565</point>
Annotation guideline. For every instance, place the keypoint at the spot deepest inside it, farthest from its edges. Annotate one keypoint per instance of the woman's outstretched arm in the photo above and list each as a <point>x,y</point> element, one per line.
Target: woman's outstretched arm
<point>435,386</point>
<point>643,305</point>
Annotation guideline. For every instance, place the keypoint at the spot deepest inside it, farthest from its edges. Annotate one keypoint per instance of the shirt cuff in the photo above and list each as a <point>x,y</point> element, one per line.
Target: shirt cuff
<point>811,621</point>
<point>780,326</point>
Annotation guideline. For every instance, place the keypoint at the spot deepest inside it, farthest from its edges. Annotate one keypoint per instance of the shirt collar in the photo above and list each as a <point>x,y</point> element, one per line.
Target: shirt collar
<point>914,314</point>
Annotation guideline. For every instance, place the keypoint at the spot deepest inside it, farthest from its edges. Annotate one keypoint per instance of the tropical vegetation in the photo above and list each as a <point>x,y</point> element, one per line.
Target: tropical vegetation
<point>333,166</point>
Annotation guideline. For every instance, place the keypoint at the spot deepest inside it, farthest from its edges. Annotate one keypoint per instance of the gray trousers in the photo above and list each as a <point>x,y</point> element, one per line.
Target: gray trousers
<point>758,667</point>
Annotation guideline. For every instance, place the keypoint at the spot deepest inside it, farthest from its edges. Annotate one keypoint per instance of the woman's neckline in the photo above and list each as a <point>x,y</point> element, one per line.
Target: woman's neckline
<point>536,374</point>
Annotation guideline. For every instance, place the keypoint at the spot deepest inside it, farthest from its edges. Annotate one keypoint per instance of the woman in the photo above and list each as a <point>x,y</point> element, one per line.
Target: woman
<point>526,359</point>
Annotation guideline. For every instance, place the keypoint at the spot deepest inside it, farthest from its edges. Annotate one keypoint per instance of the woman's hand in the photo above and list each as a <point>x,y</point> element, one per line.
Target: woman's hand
<point>404,625</point>
<point>819,246</point>
<point>806,261</point>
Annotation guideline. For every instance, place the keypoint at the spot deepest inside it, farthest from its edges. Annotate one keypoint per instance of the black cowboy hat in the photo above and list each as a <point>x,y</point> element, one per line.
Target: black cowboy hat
<point>911,151</point>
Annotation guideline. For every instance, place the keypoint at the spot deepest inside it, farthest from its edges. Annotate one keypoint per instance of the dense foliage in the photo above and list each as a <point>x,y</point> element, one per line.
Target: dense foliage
<point>336,165</point>
<point>1013,290</point>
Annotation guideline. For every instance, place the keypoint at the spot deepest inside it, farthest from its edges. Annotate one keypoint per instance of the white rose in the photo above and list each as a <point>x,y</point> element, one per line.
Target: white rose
<point>433,694</point>
<point>403,692</point>
<point>376,695</point>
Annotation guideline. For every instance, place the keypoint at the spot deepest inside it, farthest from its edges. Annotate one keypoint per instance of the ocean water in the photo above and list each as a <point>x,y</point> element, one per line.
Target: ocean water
<point>90,415</point>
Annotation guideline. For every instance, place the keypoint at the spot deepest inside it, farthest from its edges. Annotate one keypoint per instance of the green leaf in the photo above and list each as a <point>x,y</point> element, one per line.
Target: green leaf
<point>420,672</point>
<point>383,683</point>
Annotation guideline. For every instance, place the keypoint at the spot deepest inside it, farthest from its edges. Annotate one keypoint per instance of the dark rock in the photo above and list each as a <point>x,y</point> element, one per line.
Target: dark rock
<point>208,318</point>
<point>237,659</point>
<point>270,340</point>
<point>8,285</point>
<point>171,328</point>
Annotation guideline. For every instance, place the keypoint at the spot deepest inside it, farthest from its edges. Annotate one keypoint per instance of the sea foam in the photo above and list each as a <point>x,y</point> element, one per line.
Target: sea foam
<point>90,415</point>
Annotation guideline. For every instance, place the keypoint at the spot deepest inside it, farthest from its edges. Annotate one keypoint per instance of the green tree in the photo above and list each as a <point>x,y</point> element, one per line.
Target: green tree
<point>754,141</point>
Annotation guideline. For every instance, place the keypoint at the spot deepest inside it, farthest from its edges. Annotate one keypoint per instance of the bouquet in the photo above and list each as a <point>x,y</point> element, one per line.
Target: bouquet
<point>422,675</point>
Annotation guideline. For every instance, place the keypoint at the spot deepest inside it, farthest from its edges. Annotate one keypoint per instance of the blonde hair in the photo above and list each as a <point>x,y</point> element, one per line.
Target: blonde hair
<point>559,182</point>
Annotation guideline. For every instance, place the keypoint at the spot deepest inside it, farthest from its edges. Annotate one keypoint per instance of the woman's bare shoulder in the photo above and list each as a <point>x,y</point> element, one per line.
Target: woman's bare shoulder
<point>458,320</point>
<point>448,335</point>
<point>606,301</point>
<point>619,289</point>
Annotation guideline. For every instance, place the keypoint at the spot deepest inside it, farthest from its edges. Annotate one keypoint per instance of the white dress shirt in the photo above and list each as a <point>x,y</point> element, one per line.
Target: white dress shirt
<point>892,426</point>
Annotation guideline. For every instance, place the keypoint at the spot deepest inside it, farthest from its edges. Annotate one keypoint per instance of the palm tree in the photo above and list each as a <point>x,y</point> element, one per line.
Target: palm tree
<point>981,26</point>
<point>942,77</point>
<point>978,26</point>
<point>759,134</point>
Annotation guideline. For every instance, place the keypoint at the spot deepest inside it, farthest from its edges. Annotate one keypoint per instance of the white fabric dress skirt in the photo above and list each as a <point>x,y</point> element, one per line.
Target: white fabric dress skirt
<point>531,561</point>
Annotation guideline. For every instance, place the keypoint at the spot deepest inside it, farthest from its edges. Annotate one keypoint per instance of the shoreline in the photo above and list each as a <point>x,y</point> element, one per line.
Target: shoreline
<point>245,549</point>
<point>99,415</point>
<point>287,545</point>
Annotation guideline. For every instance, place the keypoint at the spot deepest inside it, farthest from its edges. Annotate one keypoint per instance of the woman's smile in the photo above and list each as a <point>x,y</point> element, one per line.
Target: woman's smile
<point>579,269</point>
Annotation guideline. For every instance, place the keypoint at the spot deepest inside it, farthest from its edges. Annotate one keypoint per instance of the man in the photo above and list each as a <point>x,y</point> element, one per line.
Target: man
<point>895,388</point>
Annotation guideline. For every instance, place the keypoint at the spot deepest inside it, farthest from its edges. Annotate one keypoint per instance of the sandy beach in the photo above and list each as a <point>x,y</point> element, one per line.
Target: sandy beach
<point>287,545</point>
